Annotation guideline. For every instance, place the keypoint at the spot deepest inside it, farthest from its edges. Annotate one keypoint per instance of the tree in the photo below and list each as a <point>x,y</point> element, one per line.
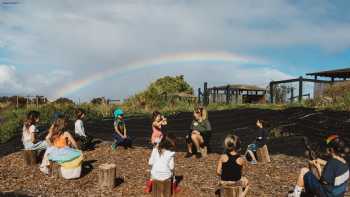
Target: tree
<point>98,100</point>
<point>63,101</point>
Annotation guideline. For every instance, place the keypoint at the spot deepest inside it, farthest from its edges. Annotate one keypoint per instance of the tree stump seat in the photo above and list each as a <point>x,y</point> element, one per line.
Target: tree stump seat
<point>54,170</point>
<point>232,189</point>
<point>263,154</point>
<point>30,157</point>
<point>161,188</point>
<point>107,175</point>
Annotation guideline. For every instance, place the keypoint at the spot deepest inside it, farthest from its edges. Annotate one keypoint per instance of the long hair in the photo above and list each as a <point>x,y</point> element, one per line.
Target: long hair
<point>155,114</point>
<point>202,112</point>
<point>57,128</point>
<point>32,116</point>
<point>168,142</point>
<point>79,113</point>
<point>232,143</point>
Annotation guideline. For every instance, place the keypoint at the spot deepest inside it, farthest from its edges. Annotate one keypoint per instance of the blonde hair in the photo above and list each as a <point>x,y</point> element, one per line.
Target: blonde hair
<point>232,142</point>
<point>203,112</point>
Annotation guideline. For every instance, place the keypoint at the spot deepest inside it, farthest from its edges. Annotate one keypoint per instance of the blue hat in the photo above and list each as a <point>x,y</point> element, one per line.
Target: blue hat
<point>118,112</point>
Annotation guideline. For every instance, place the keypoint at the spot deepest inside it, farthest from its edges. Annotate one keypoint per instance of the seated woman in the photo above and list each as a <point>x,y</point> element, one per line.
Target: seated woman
<point>199,132</point>
<point>29,132</point>
<point>230,164</point>
<point>334,176</point>
<point>259,142</point>
<point>61,149</point>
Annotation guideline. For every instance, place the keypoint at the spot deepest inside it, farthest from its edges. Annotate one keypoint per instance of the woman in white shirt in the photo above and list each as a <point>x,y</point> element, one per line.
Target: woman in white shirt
<point>29,132</point>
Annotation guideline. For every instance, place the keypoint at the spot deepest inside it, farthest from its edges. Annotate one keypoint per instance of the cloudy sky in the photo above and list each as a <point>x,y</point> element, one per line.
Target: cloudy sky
<point>85,49</point>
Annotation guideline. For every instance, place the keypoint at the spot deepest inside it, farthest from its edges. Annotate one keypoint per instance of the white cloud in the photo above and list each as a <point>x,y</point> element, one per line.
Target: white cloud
<point>13,82</point>
<point>85,37</point>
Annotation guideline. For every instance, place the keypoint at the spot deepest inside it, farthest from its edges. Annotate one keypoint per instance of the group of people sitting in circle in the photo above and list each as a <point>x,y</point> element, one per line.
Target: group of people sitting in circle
<point>59,143</point>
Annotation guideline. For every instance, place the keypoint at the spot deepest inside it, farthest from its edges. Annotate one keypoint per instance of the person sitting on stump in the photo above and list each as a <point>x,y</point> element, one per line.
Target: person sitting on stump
<point>199,132</point>
<point>162,161</point>
<point>230,164</point>
<point>80,133</point>
<point>58,138</point>
<point>29,139</point>
<point>259,142</point>
<point>120,132</point>
<point>334,177</point>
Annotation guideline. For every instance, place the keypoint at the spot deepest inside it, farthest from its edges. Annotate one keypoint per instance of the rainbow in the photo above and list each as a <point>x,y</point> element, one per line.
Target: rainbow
<point>163,60</point>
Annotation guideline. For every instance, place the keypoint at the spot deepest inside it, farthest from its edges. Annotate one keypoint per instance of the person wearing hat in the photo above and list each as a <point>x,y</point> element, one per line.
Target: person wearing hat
<point>120,133</point>
<point>334,177</point>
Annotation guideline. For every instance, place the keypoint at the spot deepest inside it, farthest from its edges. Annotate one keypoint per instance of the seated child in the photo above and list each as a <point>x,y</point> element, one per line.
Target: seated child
<point>162,160</point>
<point>80,134</point>
<point>120,132</point>
<point>29,133</point>
<point>334,177</point>
<point>259,142</point>
<point>158,123</point>
<point>230,164</point>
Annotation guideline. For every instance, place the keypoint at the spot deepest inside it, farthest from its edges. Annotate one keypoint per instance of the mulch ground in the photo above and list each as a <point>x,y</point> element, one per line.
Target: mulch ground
<point>199,179</point>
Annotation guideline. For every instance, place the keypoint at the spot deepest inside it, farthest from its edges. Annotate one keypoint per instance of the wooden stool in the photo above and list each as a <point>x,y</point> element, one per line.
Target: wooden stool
<point>106,175</point>
<point>29,157</point>
<point>263,154</point>
<point>204,151</point>
<point>54,170</point>
<point>232,190</point>
<point>161,188</point>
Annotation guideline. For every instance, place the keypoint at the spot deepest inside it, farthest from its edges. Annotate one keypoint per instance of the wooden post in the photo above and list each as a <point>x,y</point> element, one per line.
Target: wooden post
<point>236,95</point>
<point>300,89</point>
<point>29,157</point>
<point>227,94</point>
<point>199,95</point>
<point>107,174</point>
<point>214,95</point>
<point>263,154</point>
<point>161,188</point>
<point>271,92</point>
<point>205,94</point>
<point>54,170</point>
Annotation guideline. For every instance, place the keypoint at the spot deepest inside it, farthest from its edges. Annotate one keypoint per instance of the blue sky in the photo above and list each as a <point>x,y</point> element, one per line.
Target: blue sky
<point>45,46</point>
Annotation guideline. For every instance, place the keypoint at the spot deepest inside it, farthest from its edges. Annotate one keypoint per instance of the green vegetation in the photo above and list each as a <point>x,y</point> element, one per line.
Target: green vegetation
<point>336,97</point>
<point>158,96</point>
<point>155,96</point>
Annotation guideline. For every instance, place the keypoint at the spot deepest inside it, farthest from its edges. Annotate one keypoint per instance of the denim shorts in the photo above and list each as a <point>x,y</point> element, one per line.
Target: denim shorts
<point>313,185</point>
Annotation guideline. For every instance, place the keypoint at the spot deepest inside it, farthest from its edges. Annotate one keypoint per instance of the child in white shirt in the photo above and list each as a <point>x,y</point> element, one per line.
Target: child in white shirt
<point>83,139</point>
<point>162,160</point>
<point>29,133</point>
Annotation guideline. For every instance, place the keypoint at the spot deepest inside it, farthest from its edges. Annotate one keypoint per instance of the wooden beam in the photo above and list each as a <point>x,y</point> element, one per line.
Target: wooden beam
<point>271,91</point>
<point>300,89</point>
<point>297,79</point>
